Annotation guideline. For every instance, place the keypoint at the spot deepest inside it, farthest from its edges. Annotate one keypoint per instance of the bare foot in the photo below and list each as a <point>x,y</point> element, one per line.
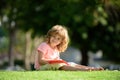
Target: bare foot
<point>96,69</point>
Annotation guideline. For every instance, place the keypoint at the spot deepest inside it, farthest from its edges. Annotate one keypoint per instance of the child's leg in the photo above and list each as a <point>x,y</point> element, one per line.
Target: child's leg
<point>71,68</point>
<point>91,68</point>
<point>76,67</point>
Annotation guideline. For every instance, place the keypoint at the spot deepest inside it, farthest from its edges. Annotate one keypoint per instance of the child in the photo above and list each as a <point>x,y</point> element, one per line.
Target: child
<point>48,57</point>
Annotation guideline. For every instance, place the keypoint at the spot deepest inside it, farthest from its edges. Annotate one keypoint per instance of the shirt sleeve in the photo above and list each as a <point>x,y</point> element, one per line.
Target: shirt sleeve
<point>42,48</point>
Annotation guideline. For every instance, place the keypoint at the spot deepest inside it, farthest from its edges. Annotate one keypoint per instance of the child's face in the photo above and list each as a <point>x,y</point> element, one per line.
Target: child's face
<point>55,40</point>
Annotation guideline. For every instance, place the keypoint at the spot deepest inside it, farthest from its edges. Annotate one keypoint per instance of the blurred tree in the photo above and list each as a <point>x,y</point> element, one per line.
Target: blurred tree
<point>111,36</point>
<point>8,21</point>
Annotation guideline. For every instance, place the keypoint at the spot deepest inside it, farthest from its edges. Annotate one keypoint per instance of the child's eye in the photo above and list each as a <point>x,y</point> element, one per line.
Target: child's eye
<point>59,38</point>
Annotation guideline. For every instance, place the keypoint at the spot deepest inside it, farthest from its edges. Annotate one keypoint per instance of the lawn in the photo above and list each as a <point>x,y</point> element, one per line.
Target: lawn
<point>59,75</point>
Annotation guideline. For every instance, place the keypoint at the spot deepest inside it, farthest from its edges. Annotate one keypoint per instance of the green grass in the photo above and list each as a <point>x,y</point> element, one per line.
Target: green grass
<point>59,75</point>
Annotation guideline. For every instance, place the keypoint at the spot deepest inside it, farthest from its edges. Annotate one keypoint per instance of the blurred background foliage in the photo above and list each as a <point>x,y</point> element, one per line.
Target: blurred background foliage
<point>93,25</point>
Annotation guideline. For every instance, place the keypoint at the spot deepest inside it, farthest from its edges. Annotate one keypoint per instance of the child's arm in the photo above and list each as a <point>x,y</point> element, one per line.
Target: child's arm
<point>41,59</point>
<point>36,63</point>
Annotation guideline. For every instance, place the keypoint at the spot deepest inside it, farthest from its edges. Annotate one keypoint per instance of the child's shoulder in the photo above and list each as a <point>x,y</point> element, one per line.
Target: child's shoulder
<point>43,44</point>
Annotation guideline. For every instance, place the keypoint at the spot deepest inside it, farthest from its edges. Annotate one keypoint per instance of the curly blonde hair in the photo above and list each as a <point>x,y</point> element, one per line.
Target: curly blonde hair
<point>62,31</point>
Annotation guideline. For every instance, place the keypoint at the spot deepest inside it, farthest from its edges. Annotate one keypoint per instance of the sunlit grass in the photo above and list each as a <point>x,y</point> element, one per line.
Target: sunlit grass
<point>59,75</point>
